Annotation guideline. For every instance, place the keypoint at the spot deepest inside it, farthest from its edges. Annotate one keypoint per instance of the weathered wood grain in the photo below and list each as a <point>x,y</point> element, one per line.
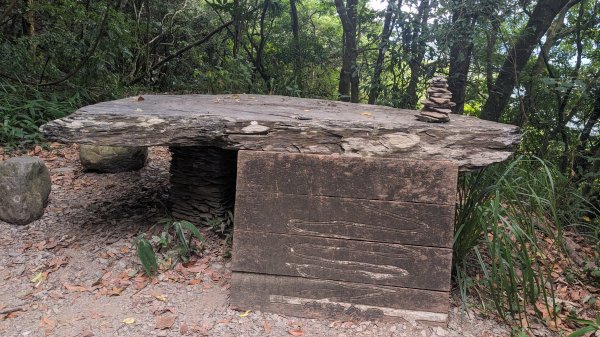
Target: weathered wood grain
<point>345,218</point>
<point>362,178</point>
<point>285,124</point>
<point>342,260</point>
<point>302,297</point>
<point>202,182</point>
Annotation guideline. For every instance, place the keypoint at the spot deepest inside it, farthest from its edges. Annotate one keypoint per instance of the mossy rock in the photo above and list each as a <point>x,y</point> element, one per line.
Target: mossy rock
<point>112,159</point>
<point>24,189</point>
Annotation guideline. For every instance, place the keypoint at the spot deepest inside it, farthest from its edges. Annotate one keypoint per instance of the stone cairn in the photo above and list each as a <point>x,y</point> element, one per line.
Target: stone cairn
<point>438,104</point>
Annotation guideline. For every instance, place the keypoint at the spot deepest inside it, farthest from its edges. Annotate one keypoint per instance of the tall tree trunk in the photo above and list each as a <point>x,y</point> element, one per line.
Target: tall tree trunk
<point>582,162</point>
<point>383,46</point>
<point>543,14</point>
<point>237,27</point>
<point>417,53</point>
<point>263,40</point>
<point>30,30</point>
<point>491,38</point>
<point>528,104</point>
<point>464,19</point>
<point>296,44</point>
<point>348,78</point>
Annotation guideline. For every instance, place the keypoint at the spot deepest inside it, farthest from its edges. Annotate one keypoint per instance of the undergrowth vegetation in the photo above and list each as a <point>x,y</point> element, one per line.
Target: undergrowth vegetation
<point>509,220</point>
<point>176,242</point>
<point>173,241</point>
<point>23,109</point>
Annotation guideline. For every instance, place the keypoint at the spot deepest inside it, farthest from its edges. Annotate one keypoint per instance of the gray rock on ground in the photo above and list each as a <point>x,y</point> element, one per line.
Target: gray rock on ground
<point>112,159</point>
<point>24,189</point>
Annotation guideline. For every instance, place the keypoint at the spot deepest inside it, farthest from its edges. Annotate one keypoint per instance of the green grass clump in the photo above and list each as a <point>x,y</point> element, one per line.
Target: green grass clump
<point>24,109</point>
<point>503,213</point>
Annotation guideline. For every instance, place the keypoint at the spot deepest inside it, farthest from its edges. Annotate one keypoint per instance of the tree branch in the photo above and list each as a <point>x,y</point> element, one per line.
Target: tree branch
<point>184,49</point>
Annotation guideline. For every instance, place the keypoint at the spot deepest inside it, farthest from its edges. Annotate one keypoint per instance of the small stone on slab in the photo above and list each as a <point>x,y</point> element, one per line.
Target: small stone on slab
<point>428,119</point>
<point>439,101</point>
<point>436,109</point>
<point>437,79</point>
<point>431,90</point>
<point>440,95</point>
<point>437,115</point>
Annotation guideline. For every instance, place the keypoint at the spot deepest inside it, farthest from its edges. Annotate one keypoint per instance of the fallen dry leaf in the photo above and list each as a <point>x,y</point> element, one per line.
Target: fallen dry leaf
<point>225,320</point>
<point>183,328</point>
<point>296,332</point>
<point>76,288</point>
<point>245,314</point>
<point>129,320</point>
<point>86,333</point>
<point>164,322</point>
<point>102,278</point>
<point>267,327</point>
<point>198,269</point>
<point>115,291</point>
<point>139,285</point>
<point>38,279</point>
<point>160,297</point>
<point>47,323</point>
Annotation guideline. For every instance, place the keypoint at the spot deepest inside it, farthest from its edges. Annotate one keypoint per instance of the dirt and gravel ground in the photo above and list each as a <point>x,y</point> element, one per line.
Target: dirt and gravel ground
<point>75,272</point>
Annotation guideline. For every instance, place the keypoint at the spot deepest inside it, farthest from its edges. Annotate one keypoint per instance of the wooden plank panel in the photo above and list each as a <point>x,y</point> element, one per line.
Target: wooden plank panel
<point>350,177</point>
<point>336,300</point>
<point>342,260</point>
<point>371,220</point>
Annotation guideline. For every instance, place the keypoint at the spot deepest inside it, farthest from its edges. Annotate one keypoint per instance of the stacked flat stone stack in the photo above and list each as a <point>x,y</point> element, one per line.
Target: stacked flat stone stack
<point>438,105</point>
<point>202,182</point>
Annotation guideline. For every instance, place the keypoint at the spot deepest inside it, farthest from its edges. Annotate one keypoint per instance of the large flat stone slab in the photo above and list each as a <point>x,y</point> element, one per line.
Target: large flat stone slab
<point>285,124</point>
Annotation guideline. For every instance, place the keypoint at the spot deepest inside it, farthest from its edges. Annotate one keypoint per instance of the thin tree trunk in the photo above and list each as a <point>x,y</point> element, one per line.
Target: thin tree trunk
<point>492,37</point>
<point>296,44</point>
<point>383,46</point>
<point>262,41</point>
<point>582,164</point>
<point>463,23</point>
<point>528,104</point>
<point>237,27</point>
<point>348,16</point>
<point>417,54</point>
<point>543,14</point>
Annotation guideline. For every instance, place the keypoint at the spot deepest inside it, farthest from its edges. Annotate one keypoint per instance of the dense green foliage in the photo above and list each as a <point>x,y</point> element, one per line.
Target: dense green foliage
<point>56,56</point>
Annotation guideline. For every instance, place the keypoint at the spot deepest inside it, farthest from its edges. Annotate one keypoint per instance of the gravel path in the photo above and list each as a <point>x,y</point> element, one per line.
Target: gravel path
<point>74,272</point>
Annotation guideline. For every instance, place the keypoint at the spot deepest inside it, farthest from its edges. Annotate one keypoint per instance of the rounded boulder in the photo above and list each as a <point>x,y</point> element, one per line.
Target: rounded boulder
<point>24,189</point>
<point>112,159</point>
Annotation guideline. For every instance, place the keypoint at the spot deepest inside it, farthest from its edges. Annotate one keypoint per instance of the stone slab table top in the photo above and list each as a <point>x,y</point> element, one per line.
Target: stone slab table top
<point>285,124</point>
